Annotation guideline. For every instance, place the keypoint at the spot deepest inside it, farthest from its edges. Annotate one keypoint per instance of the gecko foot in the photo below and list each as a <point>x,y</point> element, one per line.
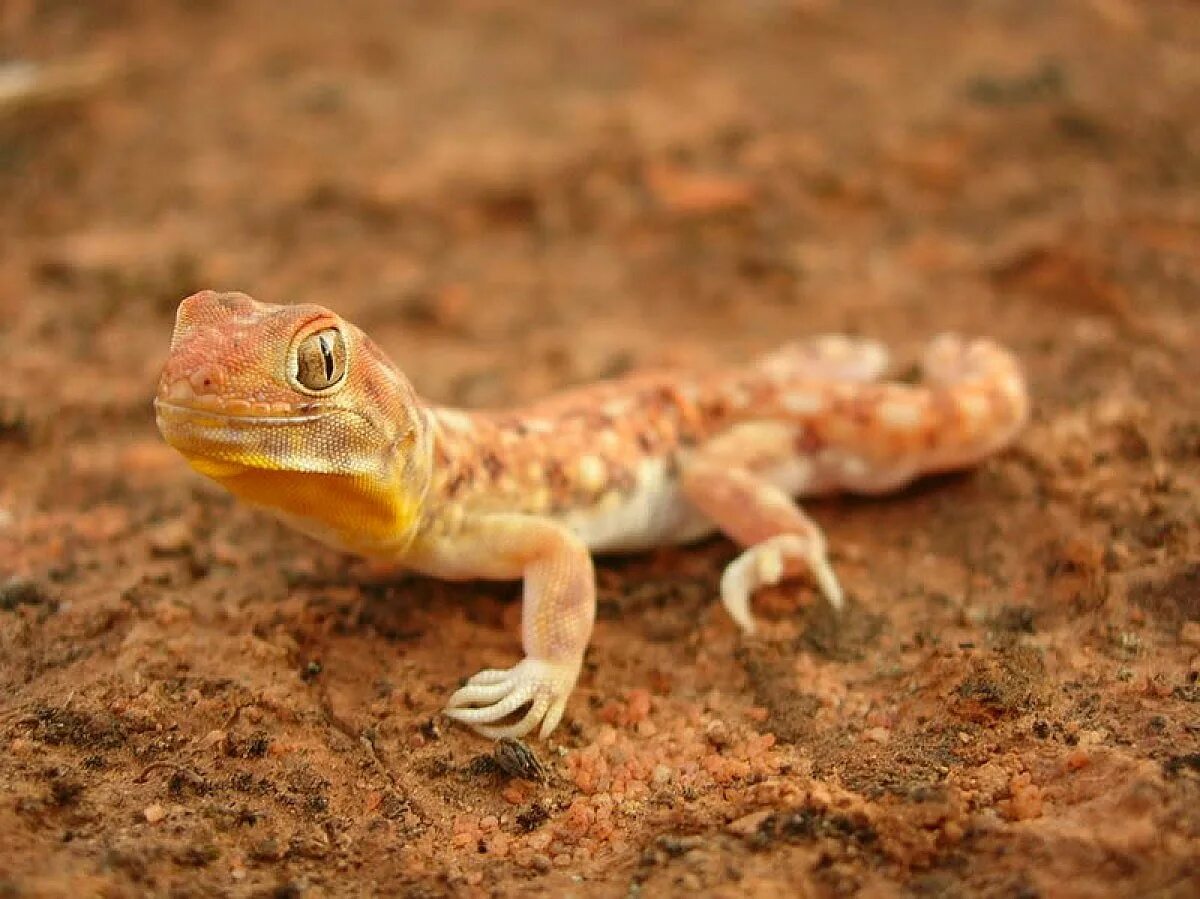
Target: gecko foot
<point>492,695</point>
<point>770,562</point>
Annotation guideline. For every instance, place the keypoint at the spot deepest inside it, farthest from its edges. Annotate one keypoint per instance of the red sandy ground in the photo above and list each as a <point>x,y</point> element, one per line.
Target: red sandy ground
<point>513,197</point>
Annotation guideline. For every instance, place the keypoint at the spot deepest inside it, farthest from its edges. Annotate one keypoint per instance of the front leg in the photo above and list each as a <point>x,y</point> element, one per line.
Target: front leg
<point>557,613</point>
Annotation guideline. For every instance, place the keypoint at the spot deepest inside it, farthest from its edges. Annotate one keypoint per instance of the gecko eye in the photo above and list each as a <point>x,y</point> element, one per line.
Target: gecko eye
<point>321,360</point>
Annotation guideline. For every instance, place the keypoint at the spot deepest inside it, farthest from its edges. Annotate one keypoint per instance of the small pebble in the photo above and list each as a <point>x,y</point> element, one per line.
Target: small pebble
<point>170,538</point>
<point>513,794</point>
<point>878,735</point>
<point>154,813</point>
<point>1190,633</point>
<point>717,734</point>
<point>1077,760</point>
<point>748,824</point>
<point>21,591</point>
<point>213,738</point>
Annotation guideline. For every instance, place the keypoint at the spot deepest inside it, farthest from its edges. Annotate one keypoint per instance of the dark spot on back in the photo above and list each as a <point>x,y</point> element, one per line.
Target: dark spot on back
<point>492,465</point>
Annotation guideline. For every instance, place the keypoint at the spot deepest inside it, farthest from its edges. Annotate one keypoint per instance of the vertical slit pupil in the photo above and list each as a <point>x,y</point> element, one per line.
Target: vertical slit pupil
<point>326,356</point>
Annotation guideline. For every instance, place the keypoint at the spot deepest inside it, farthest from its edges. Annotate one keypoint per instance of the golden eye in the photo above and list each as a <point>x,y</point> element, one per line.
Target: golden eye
<point>321,360</point>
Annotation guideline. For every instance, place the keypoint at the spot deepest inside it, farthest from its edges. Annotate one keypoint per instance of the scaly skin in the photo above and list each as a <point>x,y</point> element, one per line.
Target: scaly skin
<point>296,410</point>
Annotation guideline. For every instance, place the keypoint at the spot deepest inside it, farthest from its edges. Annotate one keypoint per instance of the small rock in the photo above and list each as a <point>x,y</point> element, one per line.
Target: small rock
<point>1190,633</point>
<point>675,846</point>
<point>690,193</point>
<point>748,825</point>
<point>717,734</point>
<point>21,591</point>
<point>878,735</point>
<point>533,817</point>
<point>213,738</point>
<point>154,813</point>
<point>513,794</point>
<point>1077,759</point>
<point>171,538</point>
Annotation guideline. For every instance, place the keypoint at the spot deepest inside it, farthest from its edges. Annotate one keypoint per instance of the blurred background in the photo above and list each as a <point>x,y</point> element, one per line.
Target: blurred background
<point>512,197</point>
<point>587,184</point>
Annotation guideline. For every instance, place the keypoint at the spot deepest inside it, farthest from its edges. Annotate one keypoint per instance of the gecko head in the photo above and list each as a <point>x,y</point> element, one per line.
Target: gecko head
<point>295,409</point>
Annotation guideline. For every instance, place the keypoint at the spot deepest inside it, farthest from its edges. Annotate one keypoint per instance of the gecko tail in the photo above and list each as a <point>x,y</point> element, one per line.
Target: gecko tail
<point>832,357</point>
<point>974,398</point>
<point>873,437</point>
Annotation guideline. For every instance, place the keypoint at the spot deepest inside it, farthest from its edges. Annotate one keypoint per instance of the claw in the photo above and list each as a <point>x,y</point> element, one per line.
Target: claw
<point>765,563</point>
<point>553,717</point>
<point>735,593</point>
<point>491,696</point>
<point>827,583</point>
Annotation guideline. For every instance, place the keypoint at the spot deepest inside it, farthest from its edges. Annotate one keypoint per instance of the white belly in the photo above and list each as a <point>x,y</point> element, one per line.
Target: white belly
<point>654,513</point>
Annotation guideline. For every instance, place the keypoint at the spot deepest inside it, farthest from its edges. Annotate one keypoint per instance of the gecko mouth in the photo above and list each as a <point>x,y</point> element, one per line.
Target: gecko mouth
<point>221,443</point>
<point>199,416</point>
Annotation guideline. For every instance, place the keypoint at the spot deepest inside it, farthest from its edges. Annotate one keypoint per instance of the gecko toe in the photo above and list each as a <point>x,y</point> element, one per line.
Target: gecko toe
<point>477,694</point>
<point>553,717</point>
<point>512,699</point>
<point>500,731</point>
<point>490,676</point>
<point>769,562</point>
<point>736,588</point>
<point>528,722</point>
<point>827,583</point>
<point>492,696</point>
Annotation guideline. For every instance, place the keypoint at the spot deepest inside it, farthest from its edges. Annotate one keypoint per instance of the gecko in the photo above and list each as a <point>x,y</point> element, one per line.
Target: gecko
<point>293,409</point>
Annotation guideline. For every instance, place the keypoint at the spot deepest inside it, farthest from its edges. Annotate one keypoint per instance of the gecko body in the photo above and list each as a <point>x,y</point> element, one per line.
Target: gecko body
<point>296,410</point>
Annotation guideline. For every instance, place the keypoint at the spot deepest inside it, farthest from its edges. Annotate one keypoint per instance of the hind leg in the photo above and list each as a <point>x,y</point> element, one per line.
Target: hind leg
<point>743,482</point>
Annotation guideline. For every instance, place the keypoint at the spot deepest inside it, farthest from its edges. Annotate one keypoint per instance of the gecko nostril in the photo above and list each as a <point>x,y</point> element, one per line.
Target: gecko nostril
<point>207,379</point>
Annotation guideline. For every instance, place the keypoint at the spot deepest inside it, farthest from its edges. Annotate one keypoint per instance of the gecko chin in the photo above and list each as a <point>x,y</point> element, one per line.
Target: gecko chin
<point>365,515</point>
